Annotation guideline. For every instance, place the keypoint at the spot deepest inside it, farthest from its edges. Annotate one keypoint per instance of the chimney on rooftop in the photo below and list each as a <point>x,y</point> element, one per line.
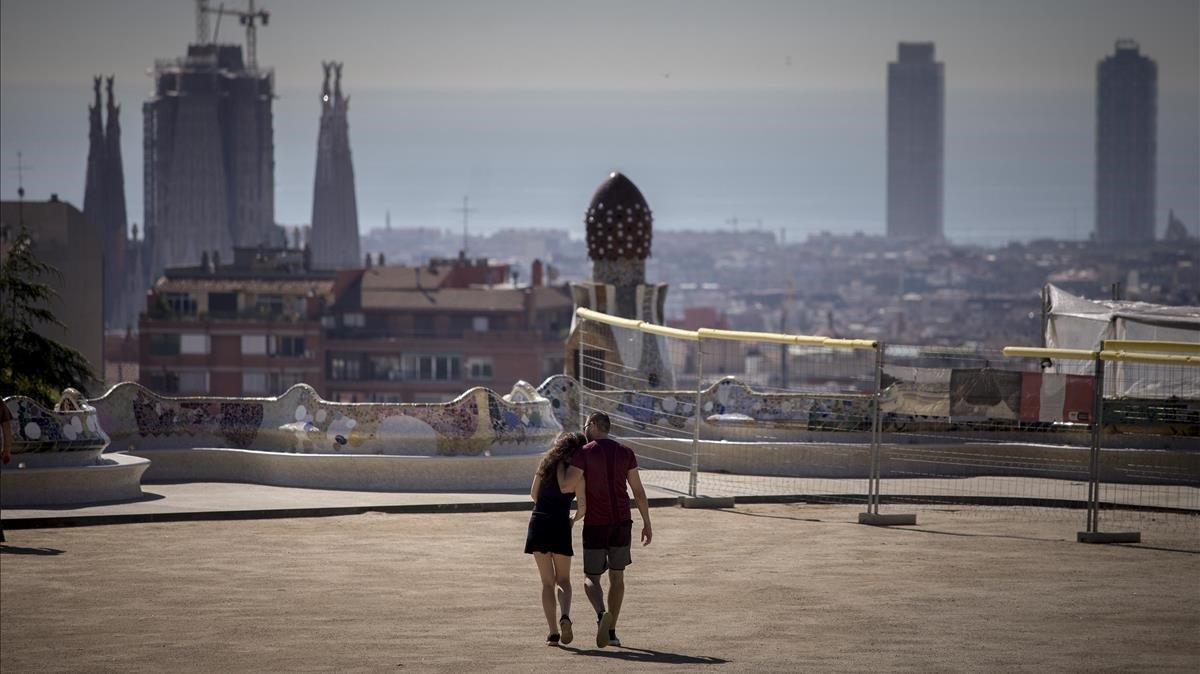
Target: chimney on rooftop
<point>535,274</point>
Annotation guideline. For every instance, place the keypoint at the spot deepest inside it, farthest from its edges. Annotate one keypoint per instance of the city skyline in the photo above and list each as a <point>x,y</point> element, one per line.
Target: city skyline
<point>1019,163</point>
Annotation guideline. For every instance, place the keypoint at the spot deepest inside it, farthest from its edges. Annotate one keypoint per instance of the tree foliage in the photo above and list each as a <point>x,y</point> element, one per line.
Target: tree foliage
<point>32,364</point>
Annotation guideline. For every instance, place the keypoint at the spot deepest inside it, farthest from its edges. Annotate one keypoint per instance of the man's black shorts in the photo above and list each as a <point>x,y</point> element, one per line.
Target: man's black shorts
<point>606,546</point>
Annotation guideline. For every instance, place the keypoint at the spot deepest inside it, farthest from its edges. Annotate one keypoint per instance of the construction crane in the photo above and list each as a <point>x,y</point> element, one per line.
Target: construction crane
<point>247,17</point>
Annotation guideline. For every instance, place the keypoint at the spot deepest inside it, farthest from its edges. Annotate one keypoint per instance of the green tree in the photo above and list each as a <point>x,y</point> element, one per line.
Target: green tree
<point>31,364</point>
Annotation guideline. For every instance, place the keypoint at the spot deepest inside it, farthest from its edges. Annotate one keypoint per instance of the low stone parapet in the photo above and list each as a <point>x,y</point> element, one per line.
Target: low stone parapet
<point>334,471</point>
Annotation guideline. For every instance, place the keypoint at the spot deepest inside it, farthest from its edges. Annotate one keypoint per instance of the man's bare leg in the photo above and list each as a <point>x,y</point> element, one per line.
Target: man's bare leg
<point>594,592</point>
<point>616,594</point>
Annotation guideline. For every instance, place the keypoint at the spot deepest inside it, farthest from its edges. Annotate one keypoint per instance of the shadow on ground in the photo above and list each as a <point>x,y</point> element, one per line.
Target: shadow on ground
<point>6,549</point>
<point>629,654</point>
<point>773,517</point>
<point>146,496</point>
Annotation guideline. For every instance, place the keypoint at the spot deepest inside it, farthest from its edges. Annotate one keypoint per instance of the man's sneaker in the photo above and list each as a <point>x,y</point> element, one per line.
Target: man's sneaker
<point>612,639</point>
<point>564,626</point>
<point>552,640</point>
<point>603,628</point>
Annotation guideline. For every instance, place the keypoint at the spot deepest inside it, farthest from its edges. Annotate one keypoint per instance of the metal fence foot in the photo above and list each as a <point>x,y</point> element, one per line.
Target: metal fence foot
<point>706,501</point>
<point>890,520</point>
<point>1109,537</point>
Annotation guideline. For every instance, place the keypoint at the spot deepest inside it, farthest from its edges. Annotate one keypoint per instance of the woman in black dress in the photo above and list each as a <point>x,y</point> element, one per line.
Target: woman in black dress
<point>549,539</point>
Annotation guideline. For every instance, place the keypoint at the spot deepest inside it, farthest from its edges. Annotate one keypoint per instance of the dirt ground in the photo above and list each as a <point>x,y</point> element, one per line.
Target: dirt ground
<point>756,588</point>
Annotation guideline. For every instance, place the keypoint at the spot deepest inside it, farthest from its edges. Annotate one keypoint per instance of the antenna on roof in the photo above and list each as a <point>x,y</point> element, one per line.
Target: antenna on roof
<point>466,212</point>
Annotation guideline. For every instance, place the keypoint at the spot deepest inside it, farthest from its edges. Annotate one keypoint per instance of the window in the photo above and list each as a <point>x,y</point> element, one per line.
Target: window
<point>553,365</point>
<point>193,381</point>
<point>254,383</point>
<point>279,382</point>
<point>433,368</point>
<point>480,324</point>
<point>269,304</point>
<point>163,382</point>
<point>193,344</point>
<point>459,325</point>
<point>254,345</point>
<point>423,325</point>
<point>164,344</point>
<point>385,368</point>
<point>354,320</point>
<point>289,347</point>
<point>345,366</point>
<point>328,321</point>
<point>479,368</point>
<point>222,304</point>
<point>182,304</point>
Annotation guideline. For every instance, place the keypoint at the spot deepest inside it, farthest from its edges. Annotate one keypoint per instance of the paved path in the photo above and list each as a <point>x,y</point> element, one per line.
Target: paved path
<point>758,588</point>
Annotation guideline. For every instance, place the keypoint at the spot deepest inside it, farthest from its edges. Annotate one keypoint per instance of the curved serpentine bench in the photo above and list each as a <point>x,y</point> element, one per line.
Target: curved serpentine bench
<point>57,459</point>
<point>478,441</point>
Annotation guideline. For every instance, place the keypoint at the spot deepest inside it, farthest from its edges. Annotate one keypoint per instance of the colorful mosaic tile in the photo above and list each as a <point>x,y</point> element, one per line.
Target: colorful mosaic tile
<point>37,430</point>
<point>479,422</point>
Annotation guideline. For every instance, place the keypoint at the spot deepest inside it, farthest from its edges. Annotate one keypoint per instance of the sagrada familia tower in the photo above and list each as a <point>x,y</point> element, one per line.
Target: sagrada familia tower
<point>334,237</point>
<point>619,229</point>
<point>209,170</point>
<point>209,157</point>
<point>126,270</point>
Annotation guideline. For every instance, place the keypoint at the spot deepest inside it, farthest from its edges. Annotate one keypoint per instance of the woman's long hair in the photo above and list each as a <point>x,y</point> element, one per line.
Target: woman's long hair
<point>564,447</point>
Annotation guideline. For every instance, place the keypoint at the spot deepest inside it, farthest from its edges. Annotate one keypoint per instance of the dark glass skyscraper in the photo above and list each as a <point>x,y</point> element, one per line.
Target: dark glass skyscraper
<point>1126,145</point>
<point>915,131</point>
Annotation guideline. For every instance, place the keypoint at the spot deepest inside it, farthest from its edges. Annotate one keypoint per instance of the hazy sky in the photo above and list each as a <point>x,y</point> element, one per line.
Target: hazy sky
<point>564,44</point>
<point>395,51</point>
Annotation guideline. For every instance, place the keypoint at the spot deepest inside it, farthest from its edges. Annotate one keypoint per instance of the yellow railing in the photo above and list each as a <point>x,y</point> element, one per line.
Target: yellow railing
<point>1125,351</point>
<point>642,326</point>
<point>1146,356</point>
<point>731,335</point>
<point>1147,346</point>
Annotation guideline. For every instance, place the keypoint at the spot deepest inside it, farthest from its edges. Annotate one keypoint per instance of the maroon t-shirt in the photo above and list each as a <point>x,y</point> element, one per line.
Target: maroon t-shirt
<point>607,503</point>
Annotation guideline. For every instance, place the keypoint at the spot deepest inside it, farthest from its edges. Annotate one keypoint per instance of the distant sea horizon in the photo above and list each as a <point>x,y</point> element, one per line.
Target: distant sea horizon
<point>1019,165</point>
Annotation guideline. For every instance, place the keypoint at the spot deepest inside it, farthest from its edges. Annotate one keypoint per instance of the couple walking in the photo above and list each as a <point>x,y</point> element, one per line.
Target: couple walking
<point>595,469</point>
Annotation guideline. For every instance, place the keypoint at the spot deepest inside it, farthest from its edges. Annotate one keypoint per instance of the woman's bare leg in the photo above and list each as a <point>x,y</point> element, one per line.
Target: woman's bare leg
<point>545,565</point>
<point>562,578</point>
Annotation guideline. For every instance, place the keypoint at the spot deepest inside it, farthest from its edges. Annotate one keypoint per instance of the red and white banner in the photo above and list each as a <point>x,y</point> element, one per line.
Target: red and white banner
<point>1056,397</point>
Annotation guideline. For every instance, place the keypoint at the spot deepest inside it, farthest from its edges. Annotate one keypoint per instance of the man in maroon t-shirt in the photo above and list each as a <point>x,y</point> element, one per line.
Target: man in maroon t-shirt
<point>607,527</point>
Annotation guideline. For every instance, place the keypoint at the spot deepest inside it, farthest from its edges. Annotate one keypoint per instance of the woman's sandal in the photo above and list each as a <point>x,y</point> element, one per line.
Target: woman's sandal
<point>552,640</point>
<point>564,626</point>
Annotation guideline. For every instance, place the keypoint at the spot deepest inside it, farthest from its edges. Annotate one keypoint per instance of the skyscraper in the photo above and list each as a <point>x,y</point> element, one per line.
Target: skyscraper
<point>209,156</point>
<point>915,133</point>
<point>335,211</point>
<point>1126,145</point>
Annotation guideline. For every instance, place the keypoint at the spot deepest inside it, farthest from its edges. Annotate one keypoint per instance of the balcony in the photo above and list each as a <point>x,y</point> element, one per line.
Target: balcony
<point>164,313</point>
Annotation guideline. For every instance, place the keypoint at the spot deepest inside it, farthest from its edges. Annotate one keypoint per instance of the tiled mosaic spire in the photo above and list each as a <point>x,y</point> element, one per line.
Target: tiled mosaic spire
<point>619,221</point>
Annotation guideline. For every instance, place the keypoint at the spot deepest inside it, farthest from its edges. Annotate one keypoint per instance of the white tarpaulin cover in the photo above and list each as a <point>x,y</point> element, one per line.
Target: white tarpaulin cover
<point>1077,323</point>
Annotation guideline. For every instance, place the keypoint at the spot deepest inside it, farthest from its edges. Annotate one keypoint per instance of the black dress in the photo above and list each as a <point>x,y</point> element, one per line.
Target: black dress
<point>550,524</point>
